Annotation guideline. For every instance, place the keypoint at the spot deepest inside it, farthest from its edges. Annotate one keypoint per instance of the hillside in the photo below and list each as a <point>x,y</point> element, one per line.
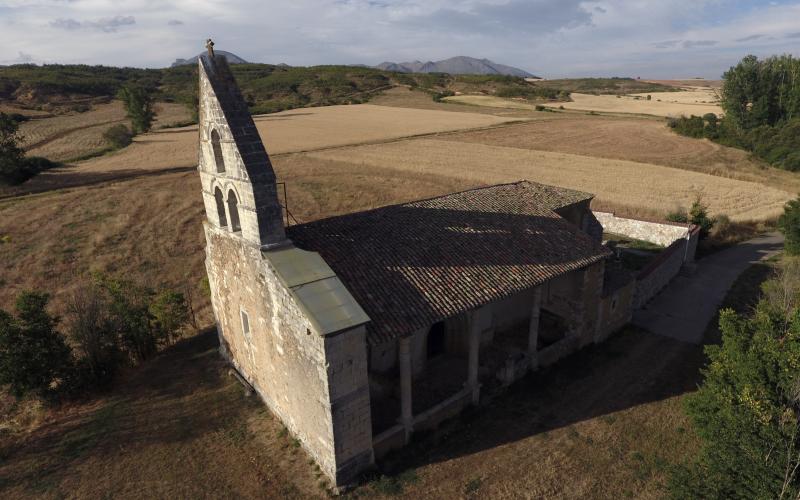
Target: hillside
<point>267,87</point>
<point>460,65</point>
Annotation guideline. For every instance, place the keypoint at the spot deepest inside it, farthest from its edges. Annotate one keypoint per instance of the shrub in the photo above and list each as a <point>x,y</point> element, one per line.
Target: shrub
<point>438,96</point>
<point>746,410</point>
<point>129,317</point>
<point>34,358</point>
<point>170,312</point>
<point>118,136</point>
<point>539,107</point>
<point>789,224</point>
<point>90,330</point>
<point>698,215</point>
<point>678,215</point>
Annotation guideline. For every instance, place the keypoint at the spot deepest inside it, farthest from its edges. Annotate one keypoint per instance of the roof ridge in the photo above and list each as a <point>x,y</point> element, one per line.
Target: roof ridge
<point>432,198</point>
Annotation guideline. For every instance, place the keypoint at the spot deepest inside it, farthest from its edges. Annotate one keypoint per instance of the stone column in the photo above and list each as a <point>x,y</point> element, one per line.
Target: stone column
<point>533,329</point>
<point>404,360</point>
<point>473,359</point>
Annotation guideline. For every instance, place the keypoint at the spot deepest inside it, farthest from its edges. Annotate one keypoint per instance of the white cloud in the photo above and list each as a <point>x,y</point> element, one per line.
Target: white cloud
<point>648,38</point>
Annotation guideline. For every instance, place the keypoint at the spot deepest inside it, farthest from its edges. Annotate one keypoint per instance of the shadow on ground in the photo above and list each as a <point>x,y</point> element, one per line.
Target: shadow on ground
<point>632,368</point>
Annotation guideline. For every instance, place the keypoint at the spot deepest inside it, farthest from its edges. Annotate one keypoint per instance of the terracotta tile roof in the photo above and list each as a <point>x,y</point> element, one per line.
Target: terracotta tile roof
<point>414,264</point>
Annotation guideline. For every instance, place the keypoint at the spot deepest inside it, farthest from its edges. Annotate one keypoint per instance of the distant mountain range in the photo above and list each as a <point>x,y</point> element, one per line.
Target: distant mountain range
<point>460,65</point>
<point>232,59</point>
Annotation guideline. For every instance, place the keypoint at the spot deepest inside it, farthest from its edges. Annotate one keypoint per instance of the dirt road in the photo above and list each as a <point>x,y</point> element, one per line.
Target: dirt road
<point>682,311</point>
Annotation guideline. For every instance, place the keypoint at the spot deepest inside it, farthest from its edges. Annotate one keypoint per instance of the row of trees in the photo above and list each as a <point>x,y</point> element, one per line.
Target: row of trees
<point>109,324</point>
<point>747,411</point>
<point>761,101</point>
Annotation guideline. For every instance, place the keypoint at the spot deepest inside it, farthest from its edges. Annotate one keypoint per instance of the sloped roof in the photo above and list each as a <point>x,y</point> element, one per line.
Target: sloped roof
<point>414,264</point>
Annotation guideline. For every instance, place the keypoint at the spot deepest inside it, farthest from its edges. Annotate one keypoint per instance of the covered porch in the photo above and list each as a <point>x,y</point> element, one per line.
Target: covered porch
<point>457,362</point>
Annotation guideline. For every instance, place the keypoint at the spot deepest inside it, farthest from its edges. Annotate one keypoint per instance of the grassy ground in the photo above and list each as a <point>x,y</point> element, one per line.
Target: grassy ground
<point>605,423</point>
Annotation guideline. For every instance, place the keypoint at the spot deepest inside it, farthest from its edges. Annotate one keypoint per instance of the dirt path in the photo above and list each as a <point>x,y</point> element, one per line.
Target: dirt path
<point>683,310</point>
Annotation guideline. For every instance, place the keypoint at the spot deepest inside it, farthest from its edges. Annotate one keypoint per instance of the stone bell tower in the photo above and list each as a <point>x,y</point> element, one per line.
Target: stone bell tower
<point>285,321</point>
<point>238,181</point>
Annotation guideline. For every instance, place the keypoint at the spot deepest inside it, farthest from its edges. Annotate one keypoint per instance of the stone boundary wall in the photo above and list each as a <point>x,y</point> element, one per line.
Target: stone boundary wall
<point>660,233</point>
<point>653,278</point>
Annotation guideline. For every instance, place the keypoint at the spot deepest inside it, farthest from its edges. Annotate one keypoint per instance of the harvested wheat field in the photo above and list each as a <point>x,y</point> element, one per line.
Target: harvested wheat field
<point>491,101</point>
<point>645,140</point>
<point>694,102</point>
<point>292,131</point>
<point>620,182</point>
<point>63,137</point>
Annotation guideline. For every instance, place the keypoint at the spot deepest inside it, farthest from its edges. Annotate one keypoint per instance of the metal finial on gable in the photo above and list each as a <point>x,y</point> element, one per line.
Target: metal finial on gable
<point>210,47</point>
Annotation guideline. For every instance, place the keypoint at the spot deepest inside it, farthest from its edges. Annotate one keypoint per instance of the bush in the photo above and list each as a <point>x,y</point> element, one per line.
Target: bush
<point>539,107</point>
<point>746,410</point>
<point>789,224</point>
<point>118,136</point>
<point>170,312</point>
<point>90,330</point>
<point>678,215</point>
<point>438,96</point>
<point>698,215</point>
<point>34,358</point>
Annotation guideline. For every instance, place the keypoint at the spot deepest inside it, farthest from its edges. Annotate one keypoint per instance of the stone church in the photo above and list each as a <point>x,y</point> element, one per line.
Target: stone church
<point>361,329</point>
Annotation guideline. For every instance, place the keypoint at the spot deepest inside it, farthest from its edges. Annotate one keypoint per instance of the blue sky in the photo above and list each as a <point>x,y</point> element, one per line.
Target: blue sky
<point>647,38</point>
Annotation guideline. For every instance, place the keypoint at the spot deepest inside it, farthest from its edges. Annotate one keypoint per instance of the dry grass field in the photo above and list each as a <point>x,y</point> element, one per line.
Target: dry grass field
<point>641,140</point>
<point>289,131</point>
<point>490,101</point>
<point>618,182</point>
<point>67,136</point>
<point>606,423</point>
<point>296,130</point>
<point>692,102</point>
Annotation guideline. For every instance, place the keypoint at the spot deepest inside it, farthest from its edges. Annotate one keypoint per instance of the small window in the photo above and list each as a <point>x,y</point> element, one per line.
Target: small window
<point>215,145</point>
<point>245,325</point>
<point>223,221</point>
<point>233,210</point>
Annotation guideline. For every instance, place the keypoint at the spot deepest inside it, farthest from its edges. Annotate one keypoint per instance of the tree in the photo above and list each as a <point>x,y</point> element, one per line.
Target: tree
<point>698,215</point>
<point>129,317</point>
<point>170,312</point>
<point>747,409</point>
<point>33,354</point>
<point>91,331</point>
<point>789,224</point>
<point>12,158</point>
<point>139,107</point>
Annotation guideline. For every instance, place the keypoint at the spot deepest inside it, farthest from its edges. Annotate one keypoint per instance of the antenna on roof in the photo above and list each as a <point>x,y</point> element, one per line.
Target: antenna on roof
<point>210,47</point>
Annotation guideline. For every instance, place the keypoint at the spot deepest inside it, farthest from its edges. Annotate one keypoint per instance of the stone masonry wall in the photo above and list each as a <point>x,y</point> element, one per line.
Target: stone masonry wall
<point>281,358</point>
<point>661,271</point>
<point>660,233</point>
<point>346,355</point>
